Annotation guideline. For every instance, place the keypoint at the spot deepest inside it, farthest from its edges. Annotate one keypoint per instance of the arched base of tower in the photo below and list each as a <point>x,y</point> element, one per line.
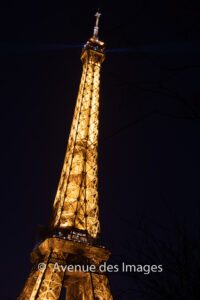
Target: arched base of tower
<point>50,272</point>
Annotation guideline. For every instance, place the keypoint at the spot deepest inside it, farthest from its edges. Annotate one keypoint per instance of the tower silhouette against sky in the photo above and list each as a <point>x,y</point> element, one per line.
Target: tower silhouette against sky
<point>72,237</point>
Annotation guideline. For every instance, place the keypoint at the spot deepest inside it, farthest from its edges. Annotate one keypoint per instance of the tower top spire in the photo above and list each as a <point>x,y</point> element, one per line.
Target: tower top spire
<point>94,43</point>
<point>96,27</point>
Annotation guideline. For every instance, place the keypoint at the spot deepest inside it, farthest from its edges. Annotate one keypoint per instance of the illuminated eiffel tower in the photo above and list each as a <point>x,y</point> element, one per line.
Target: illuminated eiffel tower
<point>72,238</point>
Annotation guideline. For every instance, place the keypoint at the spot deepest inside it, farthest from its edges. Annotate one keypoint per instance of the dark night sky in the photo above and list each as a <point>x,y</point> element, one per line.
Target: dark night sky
<point>149,118</point>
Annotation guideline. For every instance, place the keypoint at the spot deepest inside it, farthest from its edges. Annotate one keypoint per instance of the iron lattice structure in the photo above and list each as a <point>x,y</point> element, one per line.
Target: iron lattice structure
<point>76,202</point>
<point>72,237</point>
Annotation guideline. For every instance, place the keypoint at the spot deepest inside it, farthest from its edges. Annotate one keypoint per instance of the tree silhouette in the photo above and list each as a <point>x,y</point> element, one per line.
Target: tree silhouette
<point>176,249</point>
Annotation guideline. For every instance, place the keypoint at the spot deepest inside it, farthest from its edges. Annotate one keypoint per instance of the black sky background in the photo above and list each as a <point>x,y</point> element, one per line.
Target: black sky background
<point>149,119</point>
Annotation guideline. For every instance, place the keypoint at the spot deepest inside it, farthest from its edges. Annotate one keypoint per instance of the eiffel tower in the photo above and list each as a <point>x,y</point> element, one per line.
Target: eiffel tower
<point>72,237</point>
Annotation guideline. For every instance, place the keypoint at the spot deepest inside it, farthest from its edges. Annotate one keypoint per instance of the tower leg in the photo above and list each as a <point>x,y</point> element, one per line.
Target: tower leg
<point>44,283</point>
<point>101,287</point>
<point>88,286</point>
<point>79,288</point>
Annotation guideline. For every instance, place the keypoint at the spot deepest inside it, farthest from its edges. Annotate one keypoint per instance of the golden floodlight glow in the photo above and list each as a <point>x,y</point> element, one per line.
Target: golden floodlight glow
<point>76,201</point>
<point>72,236</point>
